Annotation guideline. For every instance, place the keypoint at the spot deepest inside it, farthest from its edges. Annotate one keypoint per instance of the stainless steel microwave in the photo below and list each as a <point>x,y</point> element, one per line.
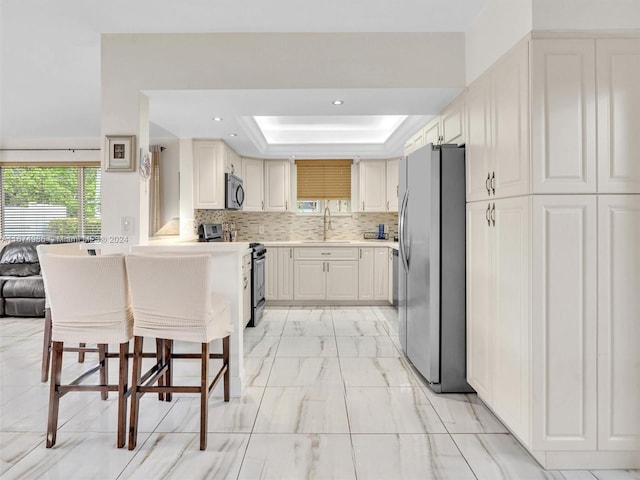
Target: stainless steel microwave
<point>234,192</point>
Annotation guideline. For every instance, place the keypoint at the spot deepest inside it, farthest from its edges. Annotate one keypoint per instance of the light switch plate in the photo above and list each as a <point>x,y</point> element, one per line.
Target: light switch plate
<point>126,225</point>
<point>261,229</point>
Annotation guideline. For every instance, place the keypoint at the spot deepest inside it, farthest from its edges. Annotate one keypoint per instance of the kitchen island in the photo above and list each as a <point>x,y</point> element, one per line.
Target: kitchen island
<point>227,280</point>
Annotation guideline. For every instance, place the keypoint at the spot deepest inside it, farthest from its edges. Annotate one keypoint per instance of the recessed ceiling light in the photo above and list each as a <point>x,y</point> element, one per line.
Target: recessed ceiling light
<point>338,102</point>
<point>233,134</point>
<point>217,119</point>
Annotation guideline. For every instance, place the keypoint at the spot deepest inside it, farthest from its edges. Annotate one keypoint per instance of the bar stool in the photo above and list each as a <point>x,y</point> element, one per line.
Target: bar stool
<point>77,249</point>
<point>172,299</point>
<point>89,303</point>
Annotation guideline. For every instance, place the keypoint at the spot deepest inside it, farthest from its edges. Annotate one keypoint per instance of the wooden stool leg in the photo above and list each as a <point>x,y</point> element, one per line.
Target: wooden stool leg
<point>104,370</point>
<point>135,398</point>
<point>168,380</point>
<point>204,396</point>
<point>160,352</point>
<point>225,362</point>
<point>123,388</point>
<point>81,353</point>
<point>54,394</point>
<point>46,346</point>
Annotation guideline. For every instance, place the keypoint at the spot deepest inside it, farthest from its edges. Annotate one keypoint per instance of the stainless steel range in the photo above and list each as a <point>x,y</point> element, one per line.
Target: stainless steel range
<point>258,259</point>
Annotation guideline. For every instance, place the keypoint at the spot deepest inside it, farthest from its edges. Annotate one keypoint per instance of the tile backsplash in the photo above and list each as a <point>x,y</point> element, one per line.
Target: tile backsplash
<point>280,226</point>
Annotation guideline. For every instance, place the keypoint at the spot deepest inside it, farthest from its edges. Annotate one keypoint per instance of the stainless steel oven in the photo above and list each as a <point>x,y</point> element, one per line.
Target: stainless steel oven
<point>258,259</point>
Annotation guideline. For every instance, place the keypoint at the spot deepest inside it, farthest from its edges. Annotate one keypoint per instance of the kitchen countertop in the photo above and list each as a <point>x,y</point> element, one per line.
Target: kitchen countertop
<point>332,243</point>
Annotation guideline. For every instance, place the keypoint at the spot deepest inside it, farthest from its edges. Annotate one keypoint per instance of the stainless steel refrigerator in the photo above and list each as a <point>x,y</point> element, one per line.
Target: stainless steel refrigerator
<point>431,282</point>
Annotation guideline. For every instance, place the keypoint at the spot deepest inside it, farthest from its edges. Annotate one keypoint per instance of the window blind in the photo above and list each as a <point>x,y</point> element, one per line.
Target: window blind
<point>324,179</point>
<point>49,201</point>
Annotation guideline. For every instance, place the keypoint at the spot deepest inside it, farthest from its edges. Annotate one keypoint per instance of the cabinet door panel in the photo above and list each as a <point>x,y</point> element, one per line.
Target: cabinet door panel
<point>285,273</point>
<point>373,186</point>
<point>510,125</point>
<point>309,280</point>
<point>511,364</point>
<point>365,274</point>
<point>563,116</point>
<point>276,195</point>
<point>271,274</point>
<point>479,288</point>
<point>564,331</point>
<point>208,175</point>
<point>431,133</point>
<point>478,155</point>
<point>380,273</point>
<point>618,322</point>
<point>393,167</point>
<point>253,178</point>
<point>342,280</point>
<point>618,70</point>
<point>452,122</point>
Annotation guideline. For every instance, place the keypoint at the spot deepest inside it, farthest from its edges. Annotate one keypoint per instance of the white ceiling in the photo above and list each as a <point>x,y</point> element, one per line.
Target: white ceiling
<point>50,68</point>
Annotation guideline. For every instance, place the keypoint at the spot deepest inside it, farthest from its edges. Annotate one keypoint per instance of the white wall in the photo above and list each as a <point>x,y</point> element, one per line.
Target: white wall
<point>134,63</point>
<point>586,14</point>
<point>496,29</point>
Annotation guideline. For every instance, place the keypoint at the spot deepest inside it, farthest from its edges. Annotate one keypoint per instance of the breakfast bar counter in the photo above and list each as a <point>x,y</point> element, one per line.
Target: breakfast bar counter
<point>227,280</point>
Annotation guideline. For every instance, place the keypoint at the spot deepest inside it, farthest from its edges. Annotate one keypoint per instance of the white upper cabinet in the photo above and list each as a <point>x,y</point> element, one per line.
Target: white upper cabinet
<point>618,77</point>
<point>253,178</point>
<point>208,174</point>
<point>277,186</point>
<point>478,148</point>
<point>448,127</point>
<point>618,325</point>
<point>393,171</point>
<point>510,125</point>
<point>452,122</point>
<point>415,142</point>
<point>431,133</point>
<point>563,116</point>
<point>373,187</point>
<point>498,130</point>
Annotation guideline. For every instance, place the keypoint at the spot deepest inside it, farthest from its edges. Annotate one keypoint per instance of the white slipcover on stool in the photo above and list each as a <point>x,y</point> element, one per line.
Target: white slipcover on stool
<point>89,303</point>
<point>172,299</point>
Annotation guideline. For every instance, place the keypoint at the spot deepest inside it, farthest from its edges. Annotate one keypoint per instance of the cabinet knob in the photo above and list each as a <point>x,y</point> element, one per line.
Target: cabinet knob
<point>487,184</point>
<point>493,183</point>
<point>493,214</point>
<point>487,214</point>
<point>363,206</point>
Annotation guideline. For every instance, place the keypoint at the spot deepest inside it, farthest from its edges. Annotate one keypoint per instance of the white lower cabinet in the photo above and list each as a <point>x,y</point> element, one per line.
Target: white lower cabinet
<point>373,273</point>
<point>279,273</point>
<point>498,364</point>
<point>618,322</point>
<point>553,319</point>
<point>311,282</point>
<point>326,273</point>
<point>342,280</point>
<point>564,330</point>
<point>271,274</point>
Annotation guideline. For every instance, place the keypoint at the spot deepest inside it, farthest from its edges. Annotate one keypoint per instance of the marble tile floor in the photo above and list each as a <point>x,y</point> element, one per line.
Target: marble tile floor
<point>329,395</point>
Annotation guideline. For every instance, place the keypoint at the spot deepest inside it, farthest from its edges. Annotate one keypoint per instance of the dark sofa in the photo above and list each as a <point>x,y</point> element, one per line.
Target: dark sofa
<point>21,284</point>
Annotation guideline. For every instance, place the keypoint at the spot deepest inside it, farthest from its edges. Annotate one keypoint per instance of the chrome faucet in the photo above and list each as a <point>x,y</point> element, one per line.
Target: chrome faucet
<point>327,211</point>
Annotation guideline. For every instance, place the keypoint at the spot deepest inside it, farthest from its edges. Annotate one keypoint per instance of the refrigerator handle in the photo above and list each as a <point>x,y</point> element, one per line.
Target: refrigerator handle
<point>402,231</point>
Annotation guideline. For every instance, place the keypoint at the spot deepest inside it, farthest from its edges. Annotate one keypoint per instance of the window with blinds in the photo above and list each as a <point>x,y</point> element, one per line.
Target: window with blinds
<point>323,183</point>
<point>49,200</point>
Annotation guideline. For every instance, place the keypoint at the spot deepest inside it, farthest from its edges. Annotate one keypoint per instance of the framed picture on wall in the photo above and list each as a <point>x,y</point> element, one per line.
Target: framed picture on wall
<point>121,152</point>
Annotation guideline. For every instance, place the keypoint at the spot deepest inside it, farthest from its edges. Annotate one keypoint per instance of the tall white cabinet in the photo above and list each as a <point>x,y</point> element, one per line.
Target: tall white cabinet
<point>553,263</point>
<point>277,186</point>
